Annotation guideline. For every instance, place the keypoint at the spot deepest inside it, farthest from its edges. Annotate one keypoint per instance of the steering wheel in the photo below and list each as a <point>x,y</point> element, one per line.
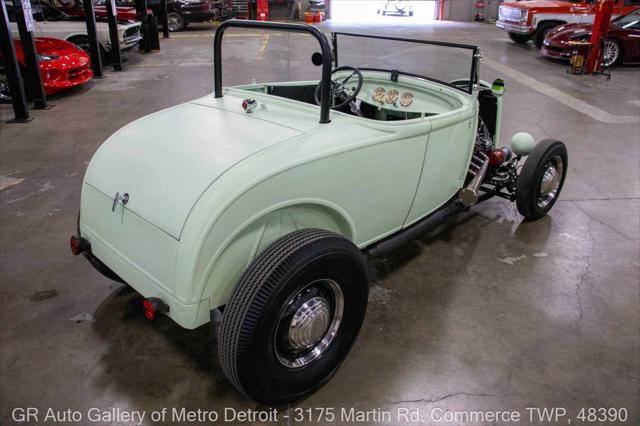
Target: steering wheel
<point>341,88</point>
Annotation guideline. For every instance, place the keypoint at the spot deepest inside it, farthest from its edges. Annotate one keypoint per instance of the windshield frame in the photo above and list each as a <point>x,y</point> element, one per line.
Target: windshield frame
<point>473,77</point>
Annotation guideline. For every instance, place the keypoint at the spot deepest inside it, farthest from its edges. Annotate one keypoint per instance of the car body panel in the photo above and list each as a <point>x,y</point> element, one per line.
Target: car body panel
<point>196,162</point>
<point>216,202</point>
<point>71,66</point>
<point>533,12</point>
<point>447,147</point>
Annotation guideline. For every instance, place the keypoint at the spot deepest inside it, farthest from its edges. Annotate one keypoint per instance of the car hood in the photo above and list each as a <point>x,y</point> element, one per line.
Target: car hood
<point>166,160</point>
<point>66,52</point>
<point>53,46</point>
<point>569,31</point>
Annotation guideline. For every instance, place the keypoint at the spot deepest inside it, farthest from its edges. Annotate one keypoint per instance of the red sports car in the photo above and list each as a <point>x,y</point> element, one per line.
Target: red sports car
<point>62,64</point>
<point>622,44</point>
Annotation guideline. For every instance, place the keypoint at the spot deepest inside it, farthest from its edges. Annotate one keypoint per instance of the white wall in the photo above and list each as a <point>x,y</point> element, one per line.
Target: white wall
<point>465,10</point>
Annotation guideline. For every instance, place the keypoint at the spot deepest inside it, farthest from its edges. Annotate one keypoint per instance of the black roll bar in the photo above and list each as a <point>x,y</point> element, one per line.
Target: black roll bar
<point>325,82</point>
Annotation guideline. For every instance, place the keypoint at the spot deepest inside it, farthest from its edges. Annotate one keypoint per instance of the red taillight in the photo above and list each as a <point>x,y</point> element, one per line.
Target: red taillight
<point>149,309</point>
<point>496,157</point>
<point>78,245</point>
<point>154,306</point>
<point>499,156</point>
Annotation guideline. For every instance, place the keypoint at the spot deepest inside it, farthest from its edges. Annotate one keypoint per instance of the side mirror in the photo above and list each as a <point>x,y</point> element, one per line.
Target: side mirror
<point>498,88</point>
<point>316,59</point>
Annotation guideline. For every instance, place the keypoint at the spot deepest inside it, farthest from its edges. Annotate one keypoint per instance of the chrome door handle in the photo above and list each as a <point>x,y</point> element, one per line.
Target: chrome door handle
<point>123,198</point>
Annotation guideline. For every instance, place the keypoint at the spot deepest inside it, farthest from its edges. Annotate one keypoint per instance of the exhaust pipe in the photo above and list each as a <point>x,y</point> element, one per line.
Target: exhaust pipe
<point>468,195</point>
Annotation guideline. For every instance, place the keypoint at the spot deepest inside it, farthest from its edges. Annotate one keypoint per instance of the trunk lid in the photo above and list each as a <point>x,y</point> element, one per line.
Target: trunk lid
<point>165,161</point>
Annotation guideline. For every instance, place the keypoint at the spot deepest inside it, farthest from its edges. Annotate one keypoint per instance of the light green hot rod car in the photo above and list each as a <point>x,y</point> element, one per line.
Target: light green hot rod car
<point>266,200</point>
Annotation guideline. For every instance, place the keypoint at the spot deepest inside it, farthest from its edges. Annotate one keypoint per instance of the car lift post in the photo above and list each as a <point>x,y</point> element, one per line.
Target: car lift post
<point>141,9</point>
<point>24,19</point>
<point>440,10</point>
<point>12,70</point>
<point>112,18</point>
<point>601,25</point>
<point>94,47</point>
<point>163,18</point>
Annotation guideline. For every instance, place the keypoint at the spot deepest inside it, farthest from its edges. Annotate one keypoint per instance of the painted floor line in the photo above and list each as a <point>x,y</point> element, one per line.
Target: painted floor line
<point>560,96</point>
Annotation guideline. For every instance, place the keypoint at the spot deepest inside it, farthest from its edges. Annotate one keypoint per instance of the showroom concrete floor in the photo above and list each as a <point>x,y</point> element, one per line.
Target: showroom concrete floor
<point>487,313</point>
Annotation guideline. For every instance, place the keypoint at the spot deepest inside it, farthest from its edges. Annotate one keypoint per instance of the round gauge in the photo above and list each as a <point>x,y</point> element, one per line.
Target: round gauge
<point>406,99</point>
<point>378,94</point>
<point>392,96</point>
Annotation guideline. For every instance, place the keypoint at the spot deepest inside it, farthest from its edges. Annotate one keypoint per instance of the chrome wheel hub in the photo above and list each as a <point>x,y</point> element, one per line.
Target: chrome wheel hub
<point>550,182</point>
<point>308,323</point>
<point>611,53</point>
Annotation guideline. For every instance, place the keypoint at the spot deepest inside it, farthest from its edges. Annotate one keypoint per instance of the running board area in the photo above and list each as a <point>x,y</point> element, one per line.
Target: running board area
<point>414,231</point>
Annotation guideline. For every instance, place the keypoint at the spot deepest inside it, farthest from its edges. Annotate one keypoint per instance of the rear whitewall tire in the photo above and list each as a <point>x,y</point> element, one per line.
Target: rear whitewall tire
<point>308,275</point>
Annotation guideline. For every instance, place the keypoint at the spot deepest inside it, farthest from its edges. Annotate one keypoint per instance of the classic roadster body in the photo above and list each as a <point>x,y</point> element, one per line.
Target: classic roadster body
<point>265,198</point>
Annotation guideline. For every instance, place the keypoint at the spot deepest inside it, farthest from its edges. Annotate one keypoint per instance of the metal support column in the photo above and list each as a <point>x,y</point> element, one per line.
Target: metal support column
<point>600,29</point>
<point>12,70</point>
<point>141,9</point>
<point>94,47</point>
<point>24,19</point>
<point>163,19</point>
<point>112,18</point>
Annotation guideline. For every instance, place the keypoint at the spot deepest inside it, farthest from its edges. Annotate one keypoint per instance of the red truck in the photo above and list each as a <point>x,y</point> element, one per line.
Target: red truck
<point>533,19</point>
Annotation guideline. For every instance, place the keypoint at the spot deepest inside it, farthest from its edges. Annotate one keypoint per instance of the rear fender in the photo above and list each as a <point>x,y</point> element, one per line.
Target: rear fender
<point>252,239</point>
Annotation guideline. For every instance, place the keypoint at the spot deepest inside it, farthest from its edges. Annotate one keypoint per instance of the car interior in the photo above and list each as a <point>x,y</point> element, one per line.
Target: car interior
<point>373,94</point>
<point>386,96</point>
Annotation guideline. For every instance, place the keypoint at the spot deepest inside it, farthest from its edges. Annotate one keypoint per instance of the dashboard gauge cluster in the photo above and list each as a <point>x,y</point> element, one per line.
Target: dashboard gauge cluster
<point>380,95</point>
<point>392,96</point>
<point>406,99</point>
